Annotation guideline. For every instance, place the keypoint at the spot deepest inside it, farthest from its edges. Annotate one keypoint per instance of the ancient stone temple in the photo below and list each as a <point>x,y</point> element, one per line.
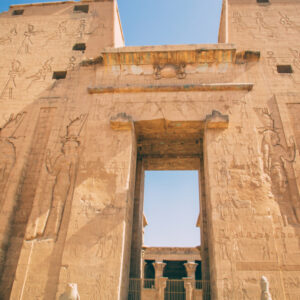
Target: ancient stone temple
<point>82,118</point>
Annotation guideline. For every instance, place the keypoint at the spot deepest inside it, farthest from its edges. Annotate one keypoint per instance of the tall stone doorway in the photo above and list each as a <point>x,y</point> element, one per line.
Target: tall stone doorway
<point>167,145</point>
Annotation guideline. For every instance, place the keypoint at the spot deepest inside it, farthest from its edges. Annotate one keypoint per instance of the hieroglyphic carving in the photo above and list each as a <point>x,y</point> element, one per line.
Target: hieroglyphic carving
<point>291,282</point>
<point>242,290</point>
<point>71,292</point>
<point>265,292</point>
<point>15,69</point>
<point>8,149</point>
<point>266,254</point>
<point>27,41</point>
<point>287,22</point>
<point>41,73</point>
<point>8,38</point>
<point>72,63</point>
<point>272,61</point>
<point>81,29</point>
<point>169,71</point>
<point>263,27</point>
<point>222,173</point>
<point>231,207</point>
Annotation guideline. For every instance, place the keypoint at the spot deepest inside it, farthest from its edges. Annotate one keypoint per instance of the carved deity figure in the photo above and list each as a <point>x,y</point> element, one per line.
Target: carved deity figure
<point>71,292</point>
<point>265,292</point>
<point>63,168</point>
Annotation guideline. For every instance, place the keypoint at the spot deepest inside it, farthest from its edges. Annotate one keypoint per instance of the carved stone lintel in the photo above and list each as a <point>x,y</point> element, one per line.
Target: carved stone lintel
<point>217,120</point>
<point>121,121</point>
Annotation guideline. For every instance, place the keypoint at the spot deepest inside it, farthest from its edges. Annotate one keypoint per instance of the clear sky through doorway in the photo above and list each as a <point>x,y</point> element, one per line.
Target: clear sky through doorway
<point>171,206</point>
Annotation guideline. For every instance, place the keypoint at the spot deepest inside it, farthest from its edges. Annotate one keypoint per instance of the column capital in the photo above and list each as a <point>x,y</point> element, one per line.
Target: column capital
<point>159,268</point>
<point>190,269</point>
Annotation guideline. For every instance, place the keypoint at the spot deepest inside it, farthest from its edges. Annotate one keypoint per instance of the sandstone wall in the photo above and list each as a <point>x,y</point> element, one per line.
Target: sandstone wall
<point>68,156</point>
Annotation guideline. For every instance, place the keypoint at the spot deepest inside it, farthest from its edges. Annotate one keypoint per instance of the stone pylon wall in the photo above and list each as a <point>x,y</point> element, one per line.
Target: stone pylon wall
<point>68,154</point>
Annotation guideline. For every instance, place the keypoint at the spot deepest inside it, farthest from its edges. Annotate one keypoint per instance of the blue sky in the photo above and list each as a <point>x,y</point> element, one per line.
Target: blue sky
<point>171,199</point>
<point>171,206</point>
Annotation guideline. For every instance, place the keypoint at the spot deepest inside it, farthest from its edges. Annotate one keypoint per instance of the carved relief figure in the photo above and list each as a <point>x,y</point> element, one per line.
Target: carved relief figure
<point>8,38</point>
<point>225,244</point>
<point>263,26</point>
<point>41,73</point>
<point>264,285</point>
<point>10,85</point>
<point>71,292</point>
<point>27,42</point>
<point>275,155</point>
<point>63,168</point>
<point>59,34</point>
<point>223,176</point>
<point>7,148</point>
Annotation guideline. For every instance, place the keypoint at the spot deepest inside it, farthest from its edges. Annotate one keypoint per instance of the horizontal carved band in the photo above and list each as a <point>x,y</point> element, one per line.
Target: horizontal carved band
<point>171,88</point>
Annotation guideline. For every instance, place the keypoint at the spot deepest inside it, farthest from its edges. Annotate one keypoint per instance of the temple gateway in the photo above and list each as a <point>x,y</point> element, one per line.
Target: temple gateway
<point>82,117</point>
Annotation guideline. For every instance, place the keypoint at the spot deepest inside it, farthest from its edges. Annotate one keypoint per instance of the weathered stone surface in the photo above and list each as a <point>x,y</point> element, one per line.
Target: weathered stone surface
<point>73,151</point>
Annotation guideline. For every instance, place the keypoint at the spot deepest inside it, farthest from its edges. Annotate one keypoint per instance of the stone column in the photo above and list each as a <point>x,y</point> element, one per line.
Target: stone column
<point>159,269</point>
<point>191,269</point>
<point>161,285</point>
<point>188,288</point>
